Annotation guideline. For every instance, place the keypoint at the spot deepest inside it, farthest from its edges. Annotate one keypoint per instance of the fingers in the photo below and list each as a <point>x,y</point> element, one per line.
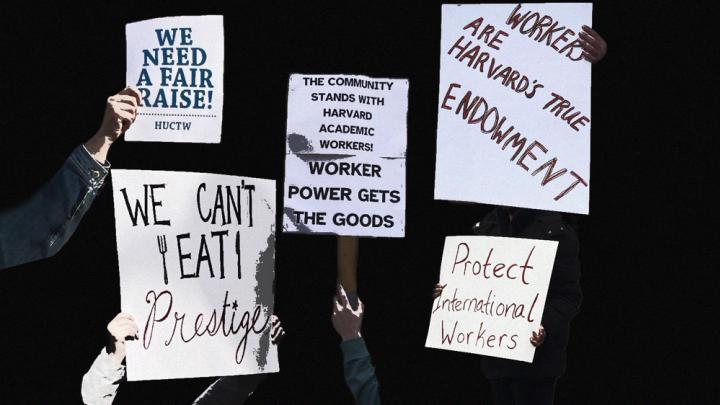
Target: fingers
<point>588,48</point>
<point>275,325</point>
<point>122,105</point>
<point>341,295</point>
<point>123,315</point>
<point>277,334</point>
<point>593,42</point>
<point>538,338</point>
<point>124,99</point>
<point>590,31</point>
<point>132,92</point>
<point>126,119</point>
<point>593,45</point>
<point>591,57</point>
<point>123,327</point>
<point>337,307</point>
<point>361,309</point>
<point>126,332</point>
<point>438,290</point>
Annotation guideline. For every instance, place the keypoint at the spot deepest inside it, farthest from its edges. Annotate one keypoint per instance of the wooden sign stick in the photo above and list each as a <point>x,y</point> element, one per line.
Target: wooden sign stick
<point>347,257</point>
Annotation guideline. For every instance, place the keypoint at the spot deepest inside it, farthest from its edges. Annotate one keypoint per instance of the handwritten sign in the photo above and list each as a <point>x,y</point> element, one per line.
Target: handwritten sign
<point>345,157</point>
<point>177,64</point>
<point>196,254</point>
<point>514,106</point>
<point>494,295</point>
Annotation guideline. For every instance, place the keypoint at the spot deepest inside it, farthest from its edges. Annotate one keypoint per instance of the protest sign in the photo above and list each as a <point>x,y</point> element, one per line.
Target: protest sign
<point>196,255</point>
<point>177,64</point>
<point>514,106</point>
<point>345,155</point>
<point>494,295</point>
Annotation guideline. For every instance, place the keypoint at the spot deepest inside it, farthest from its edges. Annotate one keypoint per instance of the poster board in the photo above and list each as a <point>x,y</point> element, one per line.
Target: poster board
<point>345,155</point>
<point>196,257</point>
<point>494,295</point>
<point>514,106</point>
<point>177,64</point>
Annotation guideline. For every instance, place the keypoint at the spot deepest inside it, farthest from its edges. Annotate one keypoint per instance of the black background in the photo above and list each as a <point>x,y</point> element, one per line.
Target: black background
<point>647,329</point>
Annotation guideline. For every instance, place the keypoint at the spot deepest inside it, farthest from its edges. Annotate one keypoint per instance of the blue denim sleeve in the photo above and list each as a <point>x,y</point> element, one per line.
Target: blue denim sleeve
<point>40,226</point>
<point>359,372</point>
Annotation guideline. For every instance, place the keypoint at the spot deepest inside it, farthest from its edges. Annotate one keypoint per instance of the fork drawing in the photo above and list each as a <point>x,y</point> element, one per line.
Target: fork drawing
<point>162,246</point>
<point>237,250</point>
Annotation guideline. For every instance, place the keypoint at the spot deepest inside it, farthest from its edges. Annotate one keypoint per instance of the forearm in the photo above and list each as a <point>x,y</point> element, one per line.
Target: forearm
<point>359,372</point>
<point>101,382</point>
<point>39,227</point>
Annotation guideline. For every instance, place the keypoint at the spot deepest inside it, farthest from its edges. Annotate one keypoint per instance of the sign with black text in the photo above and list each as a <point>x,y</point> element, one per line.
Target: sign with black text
<point>345,155</point>
<point>196,254</point>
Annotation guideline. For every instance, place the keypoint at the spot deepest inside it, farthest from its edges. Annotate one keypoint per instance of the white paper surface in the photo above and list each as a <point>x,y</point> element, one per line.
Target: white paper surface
<point>217,290</point>
<point>494,295</point>
<point>177,64</point>
<point>473,167</point>
<point>345,155</point>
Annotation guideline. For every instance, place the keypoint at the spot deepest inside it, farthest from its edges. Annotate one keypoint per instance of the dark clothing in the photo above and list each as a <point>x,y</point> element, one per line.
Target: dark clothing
<point>39,227</point>
<point>230,390</point>
<point>359,372</point>
<point>563,297</point>
<point>514,391</point>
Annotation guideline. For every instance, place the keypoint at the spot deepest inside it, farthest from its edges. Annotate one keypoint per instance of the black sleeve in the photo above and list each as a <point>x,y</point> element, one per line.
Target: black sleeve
<point>230,390</point>
<point>564,293</point>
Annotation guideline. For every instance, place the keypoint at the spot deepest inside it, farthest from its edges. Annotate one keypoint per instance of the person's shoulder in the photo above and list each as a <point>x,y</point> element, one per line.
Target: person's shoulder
<point>485,225</point>
<point>552,225</point>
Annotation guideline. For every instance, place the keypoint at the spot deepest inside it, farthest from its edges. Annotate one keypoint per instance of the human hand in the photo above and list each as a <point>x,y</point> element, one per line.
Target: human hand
<point>276,330</point>
<point>346,321</point>
<point>121,329</point>
<point>593,45</point>
<point>120,113</point>
<point>438,290</point>
<point>538,338</point>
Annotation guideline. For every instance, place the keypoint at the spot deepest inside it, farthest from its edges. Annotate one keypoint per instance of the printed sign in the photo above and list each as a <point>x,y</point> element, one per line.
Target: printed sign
<point>177,64</point>
<point>345,157</point>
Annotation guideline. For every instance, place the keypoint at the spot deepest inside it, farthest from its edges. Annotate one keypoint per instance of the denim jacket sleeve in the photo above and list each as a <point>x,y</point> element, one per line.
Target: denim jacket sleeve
<point>359,372</point>
<point>40,226</point>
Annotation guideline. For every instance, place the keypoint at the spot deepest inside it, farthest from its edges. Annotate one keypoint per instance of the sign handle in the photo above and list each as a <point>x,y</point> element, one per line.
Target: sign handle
<point>347,257</point>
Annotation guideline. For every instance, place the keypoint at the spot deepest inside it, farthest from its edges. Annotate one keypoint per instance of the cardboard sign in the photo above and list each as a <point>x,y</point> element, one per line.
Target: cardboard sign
<point>494,295</point>
<point>514,106</point>
<point>177,64</point>
<point>196,254</point>
<point>345,157</point>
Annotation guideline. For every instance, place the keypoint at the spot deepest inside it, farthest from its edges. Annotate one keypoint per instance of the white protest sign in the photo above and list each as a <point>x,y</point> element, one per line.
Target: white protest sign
<point>345,156</point>
<point>494,295</point>
<point>177,64</point>
<point>196,254</point>
<point>514,106</point>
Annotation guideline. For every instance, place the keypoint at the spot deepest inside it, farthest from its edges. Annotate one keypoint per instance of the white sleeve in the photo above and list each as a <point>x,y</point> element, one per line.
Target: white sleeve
<point>100,383</point>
